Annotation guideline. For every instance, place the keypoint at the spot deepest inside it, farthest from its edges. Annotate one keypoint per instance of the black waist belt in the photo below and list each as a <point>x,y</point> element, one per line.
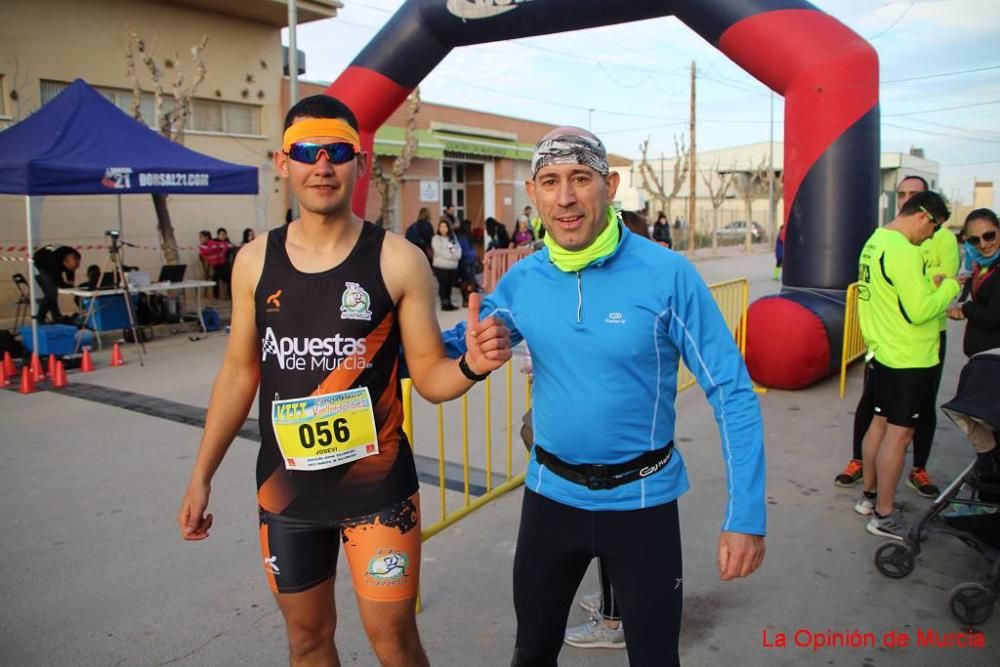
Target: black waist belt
<point>597,476</point>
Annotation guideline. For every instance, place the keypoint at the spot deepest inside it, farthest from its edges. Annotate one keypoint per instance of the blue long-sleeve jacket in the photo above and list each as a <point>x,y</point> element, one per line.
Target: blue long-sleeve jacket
<point>605,345</point>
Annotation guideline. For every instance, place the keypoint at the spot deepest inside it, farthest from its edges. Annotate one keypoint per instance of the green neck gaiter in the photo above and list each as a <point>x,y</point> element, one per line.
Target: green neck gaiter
<point>571,261</point>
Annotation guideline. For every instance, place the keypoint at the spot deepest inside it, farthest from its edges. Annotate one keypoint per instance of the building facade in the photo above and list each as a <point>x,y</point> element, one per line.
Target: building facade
<point>237,110</point>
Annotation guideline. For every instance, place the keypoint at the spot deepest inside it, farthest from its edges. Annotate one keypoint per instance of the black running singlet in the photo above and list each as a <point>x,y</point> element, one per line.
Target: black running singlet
<point>323,333</point>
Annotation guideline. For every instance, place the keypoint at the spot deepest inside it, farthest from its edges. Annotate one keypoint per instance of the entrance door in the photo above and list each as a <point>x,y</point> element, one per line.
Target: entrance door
<point>453,187</point>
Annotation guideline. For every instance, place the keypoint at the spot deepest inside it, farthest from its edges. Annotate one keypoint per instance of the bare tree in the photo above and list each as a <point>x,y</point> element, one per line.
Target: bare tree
<point>171,112</point>
<point>753,186</point>
<point>778,180</point>
<point>387,184</point>
<point>717,193</point>
<point>653,186</point>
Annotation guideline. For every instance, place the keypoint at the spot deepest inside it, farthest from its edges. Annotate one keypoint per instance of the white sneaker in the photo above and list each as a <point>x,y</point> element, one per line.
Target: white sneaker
<point>591,602</point>
<point>865,505</point>
<point>595,634</point>
<point>891,526</point>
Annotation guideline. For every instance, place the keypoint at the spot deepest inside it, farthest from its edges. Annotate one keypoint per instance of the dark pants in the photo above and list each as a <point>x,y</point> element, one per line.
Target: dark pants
<point>49,303</point>
<point>609,605</point>
<point>446,280</point>
<point>923,436</point>
<point>641,550</point>
<point>221,275</point>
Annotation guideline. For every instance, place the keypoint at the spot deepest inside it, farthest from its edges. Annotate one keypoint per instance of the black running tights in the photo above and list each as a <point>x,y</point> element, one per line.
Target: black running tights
<point>641,550</point>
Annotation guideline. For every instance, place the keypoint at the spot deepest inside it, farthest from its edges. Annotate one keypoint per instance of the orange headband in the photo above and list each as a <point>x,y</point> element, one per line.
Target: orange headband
<point>320,127</point>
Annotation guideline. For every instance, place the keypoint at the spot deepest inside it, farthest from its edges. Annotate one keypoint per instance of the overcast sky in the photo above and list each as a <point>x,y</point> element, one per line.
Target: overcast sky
<point>635,78</point>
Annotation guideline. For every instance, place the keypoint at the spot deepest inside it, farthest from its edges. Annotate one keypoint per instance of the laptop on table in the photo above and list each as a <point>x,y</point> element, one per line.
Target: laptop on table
<point>172,273</point>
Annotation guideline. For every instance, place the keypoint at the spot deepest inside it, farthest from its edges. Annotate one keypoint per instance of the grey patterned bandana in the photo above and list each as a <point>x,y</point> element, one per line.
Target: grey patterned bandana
<point>570,149</point>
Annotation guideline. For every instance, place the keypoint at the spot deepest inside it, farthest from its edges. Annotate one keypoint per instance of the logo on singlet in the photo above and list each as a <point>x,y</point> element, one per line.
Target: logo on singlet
<point>273,301</point>
<point>481,9</point>
<point>355,304</point>
<point>300,354</point>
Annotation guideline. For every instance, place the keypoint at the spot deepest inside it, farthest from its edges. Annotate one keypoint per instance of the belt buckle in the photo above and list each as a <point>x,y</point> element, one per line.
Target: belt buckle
<point>597,477</point>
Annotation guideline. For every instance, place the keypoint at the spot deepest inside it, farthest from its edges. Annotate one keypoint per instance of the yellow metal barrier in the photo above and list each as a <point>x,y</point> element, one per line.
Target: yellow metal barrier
<point>854,343</point>
<point>731,297</point>
<point>468,504</point>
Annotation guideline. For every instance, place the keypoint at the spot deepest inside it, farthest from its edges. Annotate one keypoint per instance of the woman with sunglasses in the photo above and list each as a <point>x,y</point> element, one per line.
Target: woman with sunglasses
<point>982,331</point>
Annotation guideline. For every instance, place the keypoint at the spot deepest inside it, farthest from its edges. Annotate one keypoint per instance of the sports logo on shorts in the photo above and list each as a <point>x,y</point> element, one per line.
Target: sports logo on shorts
<point>355,303</point>
<point>388,568</point>
<point>272,565</point>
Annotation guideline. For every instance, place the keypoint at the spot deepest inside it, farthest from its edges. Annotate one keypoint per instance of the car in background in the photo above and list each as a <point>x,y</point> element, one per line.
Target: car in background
<point>737,231</point>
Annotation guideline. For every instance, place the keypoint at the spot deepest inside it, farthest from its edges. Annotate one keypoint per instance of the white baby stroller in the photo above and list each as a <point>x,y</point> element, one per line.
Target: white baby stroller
<point>975,409</point>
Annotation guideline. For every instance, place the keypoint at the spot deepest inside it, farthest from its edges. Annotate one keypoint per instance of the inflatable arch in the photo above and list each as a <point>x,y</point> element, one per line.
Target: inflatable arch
<point>827,74</point>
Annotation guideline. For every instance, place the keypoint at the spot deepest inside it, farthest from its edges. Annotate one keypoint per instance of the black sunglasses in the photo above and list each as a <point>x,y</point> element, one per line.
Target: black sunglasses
<point>337,153</point>
<point>937,225</point>
<point>987,237</point>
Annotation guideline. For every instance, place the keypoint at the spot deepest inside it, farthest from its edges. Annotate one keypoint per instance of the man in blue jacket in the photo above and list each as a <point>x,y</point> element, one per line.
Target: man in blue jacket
<point>607,317</point>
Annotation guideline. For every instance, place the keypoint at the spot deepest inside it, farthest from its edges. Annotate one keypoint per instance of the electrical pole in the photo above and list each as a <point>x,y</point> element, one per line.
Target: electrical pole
<point>770,178</point>
<point>693,166</point>
<point>293,78</point>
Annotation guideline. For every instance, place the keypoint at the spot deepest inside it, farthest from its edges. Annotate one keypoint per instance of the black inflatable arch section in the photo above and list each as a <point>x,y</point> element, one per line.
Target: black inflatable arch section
<point>827,74</point>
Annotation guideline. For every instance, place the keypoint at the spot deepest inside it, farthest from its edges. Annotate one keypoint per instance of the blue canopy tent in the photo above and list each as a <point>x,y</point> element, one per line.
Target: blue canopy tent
<point>82,144</point>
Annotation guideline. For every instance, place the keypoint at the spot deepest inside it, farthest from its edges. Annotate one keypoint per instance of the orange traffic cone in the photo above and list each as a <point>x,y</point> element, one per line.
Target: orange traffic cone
<point>52,366</point>
<point>59,377</point>
<point>86,364</point>
<point>3,376</point>
<point>27,382</point>
<point>37,375</point>
<point>8,364</point>
<point>116,356</point>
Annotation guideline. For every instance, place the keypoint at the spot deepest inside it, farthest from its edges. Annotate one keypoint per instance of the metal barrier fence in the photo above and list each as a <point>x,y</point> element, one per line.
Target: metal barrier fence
<point>854,343</point>
<point>731,297</point>
<point>498,261</point>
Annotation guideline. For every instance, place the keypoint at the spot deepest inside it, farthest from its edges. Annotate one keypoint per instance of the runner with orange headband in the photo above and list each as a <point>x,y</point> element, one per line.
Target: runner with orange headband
<point>320,309</point>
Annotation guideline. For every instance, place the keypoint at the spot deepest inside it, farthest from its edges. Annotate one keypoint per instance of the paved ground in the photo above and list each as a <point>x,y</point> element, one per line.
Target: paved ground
<point>93,572</point>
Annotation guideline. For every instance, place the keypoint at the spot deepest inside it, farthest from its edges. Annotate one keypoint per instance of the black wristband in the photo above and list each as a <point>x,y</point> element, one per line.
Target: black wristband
<point>467,372</point>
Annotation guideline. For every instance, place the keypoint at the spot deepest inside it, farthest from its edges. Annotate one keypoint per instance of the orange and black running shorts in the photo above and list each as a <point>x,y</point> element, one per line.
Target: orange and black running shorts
<point>382,549</point>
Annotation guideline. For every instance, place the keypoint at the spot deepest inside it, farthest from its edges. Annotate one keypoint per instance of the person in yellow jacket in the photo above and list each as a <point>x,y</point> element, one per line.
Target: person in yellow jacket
<point>899,309</point>
<point>940,256</point>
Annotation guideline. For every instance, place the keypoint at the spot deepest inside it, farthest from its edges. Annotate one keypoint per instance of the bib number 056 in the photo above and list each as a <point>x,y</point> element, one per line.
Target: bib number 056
<point>324,433</point>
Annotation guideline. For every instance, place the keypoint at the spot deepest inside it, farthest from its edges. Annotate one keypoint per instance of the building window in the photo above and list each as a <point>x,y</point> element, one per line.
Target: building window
<point>206,115</point>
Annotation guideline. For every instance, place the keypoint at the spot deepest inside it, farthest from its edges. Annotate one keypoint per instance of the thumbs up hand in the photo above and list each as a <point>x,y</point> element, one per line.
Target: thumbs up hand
<point>487,342</point>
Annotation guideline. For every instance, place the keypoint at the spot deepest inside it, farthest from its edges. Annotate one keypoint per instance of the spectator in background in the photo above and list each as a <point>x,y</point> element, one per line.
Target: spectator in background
<point>222,235</point>
<point>447,254</point>
<point>982,312</point>
<point>661,230</point>
<point>499,237</point>
<point>449,217</point>
<point>213,259</point>
<point>523,235</point>
<point>248,236</point>
<point>421,231</point>
<point>535,224</point>
<point>467,265</point>
<point>635,223</point>
<point>55,267</point>
<point>779,254</point>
